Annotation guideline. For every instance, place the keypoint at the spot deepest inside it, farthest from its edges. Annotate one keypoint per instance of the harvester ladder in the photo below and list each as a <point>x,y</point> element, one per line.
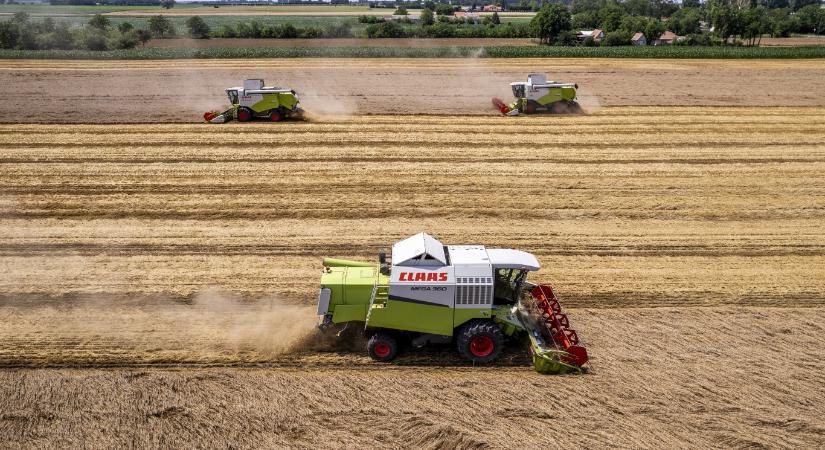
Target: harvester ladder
<point>558,325</point>
<point>380,291</point>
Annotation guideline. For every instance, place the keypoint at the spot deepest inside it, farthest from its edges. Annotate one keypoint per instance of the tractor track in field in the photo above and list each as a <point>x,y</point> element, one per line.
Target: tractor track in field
<point>78,92</point>
<point>634,214</point>
<point>157,282</point>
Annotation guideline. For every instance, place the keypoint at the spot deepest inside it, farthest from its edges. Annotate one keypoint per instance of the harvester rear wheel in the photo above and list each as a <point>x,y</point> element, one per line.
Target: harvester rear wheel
<point>244,114</point>
<point>480,341</point>
<point>382,347</point>
<point>559,107</point>
<point>531,107</point>
<point>275,116</point>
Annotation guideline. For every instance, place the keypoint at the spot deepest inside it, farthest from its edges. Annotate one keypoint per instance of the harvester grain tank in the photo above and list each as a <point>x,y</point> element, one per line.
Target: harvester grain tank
<point>538,94</point>
<point>467,295</point>
<point>254,100</point>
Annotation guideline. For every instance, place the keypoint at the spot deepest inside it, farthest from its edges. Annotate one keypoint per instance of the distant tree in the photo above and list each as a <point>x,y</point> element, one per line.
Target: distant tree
<point>444,10</point>
<point>694,3</point>
<point>21,17</point>
<point>811,19</point>
<point>495,20</point>
<point>427,17</point>
<point>198,28</point>
<point>48,25</point>
<point>95,40</point>
<point>160,26</point>
<point>429,4</point>
<point>796,5</point>
<point>143,36</point>
<point>167,4</point>
<point>125,27</point>
<point>755,23</point>
<point>580,6</point>
<point>9,34</point>
<point>616,38</point>
<point>550,22</point>
<point>385,30</point>
<point>99,21</point>
<point>401,11</point>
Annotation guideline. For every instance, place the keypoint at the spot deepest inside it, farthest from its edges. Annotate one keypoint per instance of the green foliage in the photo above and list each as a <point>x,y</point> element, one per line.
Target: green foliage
<point>495,20</point>
<point>811,19</point>
<point>161,27</point>
<point>167,4</point>
<point>370,19</point>
<point>678,52</point>
<point>95,40</point>
<point>427,17</point>
<point>125,27</point>
<point>796,5</point>
<point>99,21</point>
<point>198,29</point>
<point>385,30</point>
<point>443,9</point>
<point>685,21</point>
<point>616,38</point>
<point>400,11</point>
<point>143,36</point>
<point>550,22</point>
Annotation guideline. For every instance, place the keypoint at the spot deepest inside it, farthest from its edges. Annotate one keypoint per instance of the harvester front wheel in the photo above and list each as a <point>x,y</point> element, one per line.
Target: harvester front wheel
<point>382,347</point>
<point>275,116</point>
<point>244,114</point>
<point>480,341</point>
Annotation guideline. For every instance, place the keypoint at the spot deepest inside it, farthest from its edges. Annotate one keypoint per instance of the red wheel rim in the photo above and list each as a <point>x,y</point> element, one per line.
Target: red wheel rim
<point>275,117</point>
<point>382,350</point>
<point>243,115</point>
<point>482,346</point>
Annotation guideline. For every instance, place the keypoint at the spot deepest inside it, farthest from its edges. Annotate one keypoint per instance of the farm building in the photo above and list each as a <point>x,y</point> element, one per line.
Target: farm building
<point>667,38</point>
<point>596,34</point>
<point>492,8</point>
<point>638,39</point>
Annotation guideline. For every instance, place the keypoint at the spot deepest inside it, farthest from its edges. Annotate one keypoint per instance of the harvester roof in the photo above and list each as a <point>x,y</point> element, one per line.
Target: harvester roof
<point>417,250</point>
<point>425,250</point>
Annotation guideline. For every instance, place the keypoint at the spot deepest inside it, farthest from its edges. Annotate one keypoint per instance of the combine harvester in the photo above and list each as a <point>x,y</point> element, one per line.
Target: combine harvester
<point>538,94</point>
<point>467,295</point>
<point>254,100</point>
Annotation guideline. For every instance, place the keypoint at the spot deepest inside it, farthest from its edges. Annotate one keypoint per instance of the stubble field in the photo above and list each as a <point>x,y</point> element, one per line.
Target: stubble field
<point>157,280</point>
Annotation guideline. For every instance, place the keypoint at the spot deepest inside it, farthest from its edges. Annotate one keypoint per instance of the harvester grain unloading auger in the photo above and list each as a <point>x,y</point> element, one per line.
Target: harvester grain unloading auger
<point>467,295</point>
<point>539,95</point>
<point>254,100</point>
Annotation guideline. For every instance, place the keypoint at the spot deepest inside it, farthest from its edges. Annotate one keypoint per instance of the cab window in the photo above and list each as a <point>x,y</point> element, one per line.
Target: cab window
<point>233,97</point>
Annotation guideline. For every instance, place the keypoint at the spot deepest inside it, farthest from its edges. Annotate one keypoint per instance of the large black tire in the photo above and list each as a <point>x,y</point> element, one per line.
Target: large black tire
<point>559,107</point>
<point>245,114</point>
<point>382,347</point>
<point>480,341</point>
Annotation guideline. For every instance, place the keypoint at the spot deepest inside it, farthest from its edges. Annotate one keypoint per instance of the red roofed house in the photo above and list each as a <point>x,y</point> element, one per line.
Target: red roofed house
<point>638,39</point>
<point>667,38</point>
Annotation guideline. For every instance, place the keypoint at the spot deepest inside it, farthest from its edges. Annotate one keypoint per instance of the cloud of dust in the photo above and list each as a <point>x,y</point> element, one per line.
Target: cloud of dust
<point>588,100</point>
<point>269,326</point>
<point>213,323</point>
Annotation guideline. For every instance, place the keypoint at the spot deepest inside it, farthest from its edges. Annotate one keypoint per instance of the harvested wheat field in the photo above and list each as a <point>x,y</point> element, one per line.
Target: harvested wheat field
<point>157,282</point>
<point>180,91</point>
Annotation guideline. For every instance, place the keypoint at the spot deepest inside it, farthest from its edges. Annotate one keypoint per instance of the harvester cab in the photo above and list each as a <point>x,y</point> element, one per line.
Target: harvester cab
<point>467,295</point>
<point>538,94</point>
<point>254,100</point>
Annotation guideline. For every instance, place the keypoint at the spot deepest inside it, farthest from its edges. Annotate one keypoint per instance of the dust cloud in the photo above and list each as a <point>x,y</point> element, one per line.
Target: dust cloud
<point>210,326</point>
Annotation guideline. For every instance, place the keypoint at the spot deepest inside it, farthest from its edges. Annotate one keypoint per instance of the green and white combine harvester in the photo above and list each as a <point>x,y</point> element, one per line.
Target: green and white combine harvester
<point>467,295</point>
<point>256,101</point>
<point>538,94</point>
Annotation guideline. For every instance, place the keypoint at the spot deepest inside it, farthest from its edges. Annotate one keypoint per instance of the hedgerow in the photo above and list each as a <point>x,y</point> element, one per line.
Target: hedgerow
<point>677,52</point>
